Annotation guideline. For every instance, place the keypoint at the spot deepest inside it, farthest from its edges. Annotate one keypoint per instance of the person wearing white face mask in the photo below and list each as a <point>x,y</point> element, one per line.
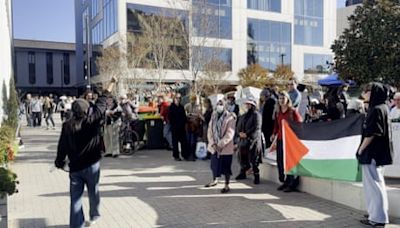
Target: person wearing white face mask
<point>220,134</point>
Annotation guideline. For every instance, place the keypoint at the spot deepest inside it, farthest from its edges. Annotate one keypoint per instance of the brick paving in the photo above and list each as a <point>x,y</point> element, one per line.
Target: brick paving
<point>149,189</point>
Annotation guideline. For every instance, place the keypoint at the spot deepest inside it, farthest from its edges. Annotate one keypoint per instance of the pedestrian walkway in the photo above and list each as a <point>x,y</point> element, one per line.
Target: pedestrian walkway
<point>149,189</point>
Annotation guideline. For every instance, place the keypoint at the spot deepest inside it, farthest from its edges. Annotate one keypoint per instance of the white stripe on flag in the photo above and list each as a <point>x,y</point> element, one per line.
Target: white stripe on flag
<point>342,148</point>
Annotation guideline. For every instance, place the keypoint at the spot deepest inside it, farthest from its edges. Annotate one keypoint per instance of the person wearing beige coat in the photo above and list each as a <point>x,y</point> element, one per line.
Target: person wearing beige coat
<point>220,134</point>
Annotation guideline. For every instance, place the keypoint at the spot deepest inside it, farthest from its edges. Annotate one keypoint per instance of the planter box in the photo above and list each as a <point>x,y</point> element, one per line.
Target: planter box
<point>3,212</point>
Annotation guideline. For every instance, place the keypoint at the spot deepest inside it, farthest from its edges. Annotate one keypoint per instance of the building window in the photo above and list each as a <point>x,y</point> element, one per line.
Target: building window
<point>309,22</point>
<point>178,44</point>
<point>66,70</point>
<point>207,55</point>
<point>212,18</point>
<point>32,67</point>
<point>49,68</point>
<point>265,5</point>
<point>317,64</point>
<point>268,43</point>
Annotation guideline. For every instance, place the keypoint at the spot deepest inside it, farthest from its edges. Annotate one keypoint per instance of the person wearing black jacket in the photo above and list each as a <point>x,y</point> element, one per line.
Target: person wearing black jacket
<point>250,145</point>
<point>81,142</point>
<point>374,153</point>
<point>177,119</point>
<point>268,117</point>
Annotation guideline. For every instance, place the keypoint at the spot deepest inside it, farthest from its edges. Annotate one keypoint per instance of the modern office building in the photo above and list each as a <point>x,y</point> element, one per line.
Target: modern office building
<point>353,2</point>
<point>43,67</point>
<point>344,13</point>
<point>268,32</point>
<point>6,59</point>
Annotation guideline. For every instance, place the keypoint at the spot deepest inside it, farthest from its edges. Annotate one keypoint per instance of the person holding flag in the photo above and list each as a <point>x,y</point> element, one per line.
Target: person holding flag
<point>284,111</point>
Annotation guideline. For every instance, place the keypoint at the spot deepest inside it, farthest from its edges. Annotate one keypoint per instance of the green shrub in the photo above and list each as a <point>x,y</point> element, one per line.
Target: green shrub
<point>8,182</point>
<point>7,136</point>
<point>11,106</point>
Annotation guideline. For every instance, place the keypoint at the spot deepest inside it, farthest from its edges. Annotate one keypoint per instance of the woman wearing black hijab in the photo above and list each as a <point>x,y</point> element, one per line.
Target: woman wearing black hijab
<point>374,153</point>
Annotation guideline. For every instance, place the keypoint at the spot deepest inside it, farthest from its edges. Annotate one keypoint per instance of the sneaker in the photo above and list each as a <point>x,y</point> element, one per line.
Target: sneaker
<point>177,159</point>
<point>54,128</point>
<point>90,223</point>
<point>225,190</point>
<point>47,128</point>
<point>371,223</point>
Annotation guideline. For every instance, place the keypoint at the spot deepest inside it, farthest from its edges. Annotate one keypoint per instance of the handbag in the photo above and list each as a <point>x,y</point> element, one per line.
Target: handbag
<point>201,150</point>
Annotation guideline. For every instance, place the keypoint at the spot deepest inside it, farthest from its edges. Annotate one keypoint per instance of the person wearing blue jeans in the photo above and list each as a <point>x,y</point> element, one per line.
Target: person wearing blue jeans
<point>81,141</point>
<point>89,177</point>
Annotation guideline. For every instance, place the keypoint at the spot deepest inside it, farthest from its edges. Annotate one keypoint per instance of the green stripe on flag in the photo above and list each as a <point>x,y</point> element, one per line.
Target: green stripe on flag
<point>336,169</point>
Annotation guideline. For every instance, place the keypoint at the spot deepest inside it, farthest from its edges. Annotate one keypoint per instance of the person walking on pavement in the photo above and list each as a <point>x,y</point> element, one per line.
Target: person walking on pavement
<point>221,132</point>
<point>48,109</point>
<point>36,111</point>
<point>284,111</point>
<point>250,144</point>
<point>177,119</point>
<point>374,153</point>
<point>81,141</point>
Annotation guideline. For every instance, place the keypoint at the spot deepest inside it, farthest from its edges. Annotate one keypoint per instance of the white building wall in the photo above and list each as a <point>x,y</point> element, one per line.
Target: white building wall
<point>5,49</point>
<point>238,44</point>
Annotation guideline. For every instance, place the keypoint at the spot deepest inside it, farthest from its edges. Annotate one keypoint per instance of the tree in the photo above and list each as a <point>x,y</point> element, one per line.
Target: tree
<point>254,75</point>
<point>162,35</point>
<point>4,96</point>
<point>12,106</point>
<point>109,63</point>
<point>369,50</point>
<point>282,75</point>
<point>213,74</point>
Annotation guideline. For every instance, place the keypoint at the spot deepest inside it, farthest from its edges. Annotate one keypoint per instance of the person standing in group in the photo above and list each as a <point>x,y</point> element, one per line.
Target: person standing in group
<point>111,128</point>
<point>36,110</point>
<point>232,106</point>
<point>48,109</point>
<point>294,93</point>
<point>177,119</point>
<point>395,112</point>
<point>374,153</point>
<point>250,144</point>
<point>164,112</point>
<point>61,107</point>
<point>80,141</point>
<point>220,134</point>
<point>28,110</point>
<point>207,118</point>
<point>268,116</point>
<point>193,125</point>
<point>284,111</point>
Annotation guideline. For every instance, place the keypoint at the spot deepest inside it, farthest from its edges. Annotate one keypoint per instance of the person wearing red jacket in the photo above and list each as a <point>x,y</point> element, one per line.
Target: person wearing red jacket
<point>284,111</point>
<point>164,111</point>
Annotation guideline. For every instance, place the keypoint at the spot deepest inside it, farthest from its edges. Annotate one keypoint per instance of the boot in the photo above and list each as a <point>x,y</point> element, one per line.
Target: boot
<point>241,176</point>
<point>256,178</point>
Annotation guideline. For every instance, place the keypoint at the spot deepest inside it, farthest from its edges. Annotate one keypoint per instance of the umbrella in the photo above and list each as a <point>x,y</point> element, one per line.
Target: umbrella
<point>331,80</point>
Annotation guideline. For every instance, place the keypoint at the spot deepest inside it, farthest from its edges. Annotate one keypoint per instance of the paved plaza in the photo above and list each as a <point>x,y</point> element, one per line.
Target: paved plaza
<point>149,189</point>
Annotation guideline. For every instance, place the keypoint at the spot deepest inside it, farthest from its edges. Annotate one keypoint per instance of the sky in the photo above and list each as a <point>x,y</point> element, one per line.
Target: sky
<point>52,20</point>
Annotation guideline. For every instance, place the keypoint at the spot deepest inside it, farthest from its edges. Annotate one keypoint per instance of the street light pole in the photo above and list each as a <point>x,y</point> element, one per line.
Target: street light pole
<point>282,55</point>
<point>88,51</point>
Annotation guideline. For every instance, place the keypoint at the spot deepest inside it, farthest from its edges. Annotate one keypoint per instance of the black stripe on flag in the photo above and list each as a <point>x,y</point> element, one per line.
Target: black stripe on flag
<point>331,130</point>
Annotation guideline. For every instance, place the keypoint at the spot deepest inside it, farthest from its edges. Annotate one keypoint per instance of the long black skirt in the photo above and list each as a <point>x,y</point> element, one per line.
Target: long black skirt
<point>221,165</point>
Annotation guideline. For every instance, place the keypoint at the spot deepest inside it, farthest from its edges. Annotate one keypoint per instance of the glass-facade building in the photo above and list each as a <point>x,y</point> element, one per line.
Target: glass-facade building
<point>267,32</point>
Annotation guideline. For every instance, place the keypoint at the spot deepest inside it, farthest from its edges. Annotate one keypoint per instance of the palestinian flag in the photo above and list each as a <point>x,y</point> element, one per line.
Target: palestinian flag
<point>324,149</point>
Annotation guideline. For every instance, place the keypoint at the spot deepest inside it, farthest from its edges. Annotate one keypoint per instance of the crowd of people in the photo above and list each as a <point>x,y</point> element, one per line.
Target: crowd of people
<point>92,126</point>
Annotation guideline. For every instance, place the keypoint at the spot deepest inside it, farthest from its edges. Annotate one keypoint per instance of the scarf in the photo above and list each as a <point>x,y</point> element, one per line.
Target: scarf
<point>218,121</point>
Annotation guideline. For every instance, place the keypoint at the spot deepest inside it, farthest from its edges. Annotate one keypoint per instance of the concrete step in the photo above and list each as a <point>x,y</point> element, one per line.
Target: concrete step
<point>348,193</point>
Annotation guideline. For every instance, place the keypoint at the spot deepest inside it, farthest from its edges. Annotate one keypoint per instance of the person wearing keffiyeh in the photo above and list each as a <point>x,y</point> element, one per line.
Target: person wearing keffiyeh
<point>221,132</point>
